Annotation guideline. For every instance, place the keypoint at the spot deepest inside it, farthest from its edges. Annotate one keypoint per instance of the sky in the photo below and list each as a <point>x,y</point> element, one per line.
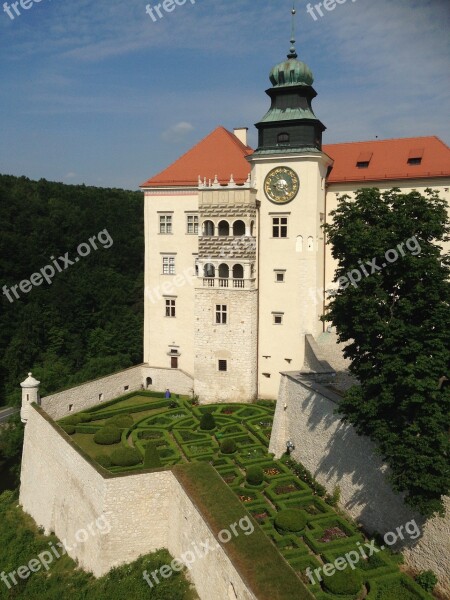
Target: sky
<point>102,93</point>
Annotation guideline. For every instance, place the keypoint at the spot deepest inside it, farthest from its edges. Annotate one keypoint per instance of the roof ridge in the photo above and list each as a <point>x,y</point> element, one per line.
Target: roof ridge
<point>422,137</point>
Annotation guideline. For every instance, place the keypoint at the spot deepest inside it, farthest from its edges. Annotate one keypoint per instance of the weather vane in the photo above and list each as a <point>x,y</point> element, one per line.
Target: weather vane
<point>293,52</point>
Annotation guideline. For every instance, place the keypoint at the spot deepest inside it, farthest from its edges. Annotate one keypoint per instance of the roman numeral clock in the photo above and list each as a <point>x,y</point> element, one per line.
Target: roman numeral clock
<point>281,185</point>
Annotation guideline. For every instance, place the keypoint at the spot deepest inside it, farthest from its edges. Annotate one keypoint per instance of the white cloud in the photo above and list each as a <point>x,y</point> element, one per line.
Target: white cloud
<point>177,133</point>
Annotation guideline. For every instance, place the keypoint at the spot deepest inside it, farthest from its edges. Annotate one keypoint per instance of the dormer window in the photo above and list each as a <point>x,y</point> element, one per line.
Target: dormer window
<point>364,159</point>
<point>415,156</point>
<point>283,138</point>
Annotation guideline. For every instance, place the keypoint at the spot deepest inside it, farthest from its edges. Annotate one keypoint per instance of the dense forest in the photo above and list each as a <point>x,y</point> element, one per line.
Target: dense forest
<point>84,320</point>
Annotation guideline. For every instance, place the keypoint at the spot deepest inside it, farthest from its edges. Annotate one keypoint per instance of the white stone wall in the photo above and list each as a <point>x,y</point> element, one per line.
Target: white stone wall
<point>92,393</point>
<point>235,342</point>
<point>176,380</point>
<point>336,455</point>
<point>64,494</point>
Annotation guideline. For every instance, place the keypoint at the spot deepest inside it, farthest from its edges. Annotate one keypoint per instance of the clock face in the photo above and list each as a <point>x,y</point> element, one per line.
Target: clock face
<point>281,185</point>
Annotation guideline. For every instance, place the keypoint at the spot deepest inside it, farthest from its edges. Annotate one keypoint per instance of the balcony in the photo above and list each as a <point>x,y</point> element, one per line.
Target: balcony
<point>220,283</point>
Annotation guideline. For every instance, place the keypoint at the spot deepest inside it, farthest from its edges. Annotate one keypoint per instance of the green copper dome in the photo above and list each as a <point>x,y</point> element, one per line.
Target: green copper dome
<point>291,72</point>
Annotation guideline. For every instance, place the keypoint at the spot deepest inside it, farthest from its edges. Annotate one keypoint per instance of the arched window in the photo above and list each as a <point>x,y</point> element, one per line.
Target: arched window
<point>283,138</point>
<point>224,271</point>
<point>148,382</point>
<point>209,270</point>
<point>224,228</point>
<point>238,272</point>
<point>310,244</point>
<point>238,228</point>
<point>252,228</point>
<point>208,228</point>
<point>299,244</point>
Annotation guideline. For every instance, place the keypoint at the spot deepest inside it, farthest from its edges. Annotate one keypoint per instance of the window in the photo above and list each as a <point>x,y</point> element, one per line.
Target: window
<point>168,265</point>
<point>209,270</point>
<point>278,318</point>
<point>283,138</point>
<point>126,388</point>
<point>239,228</point>
<point>415,156</point>
<point>208,228</point>
<point>170,307</point>
<point>364,159</point>
<point>279,227</point>
<point>165,224</point>
<point>224,228</point>
<point>192,224</point>
<point>223,365</point>
<point>279,276</point>
<point>70,407</point>
<point>221,314</point>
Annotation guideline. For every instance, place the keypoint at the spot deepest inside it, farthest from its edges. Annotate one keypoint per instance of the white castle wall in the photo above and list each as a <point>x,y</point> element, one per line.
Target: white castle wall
<point>176,380</point>
<point>64,494</point>
<point>93,392</point>
<point>107,388</point>
<point>336,455</point>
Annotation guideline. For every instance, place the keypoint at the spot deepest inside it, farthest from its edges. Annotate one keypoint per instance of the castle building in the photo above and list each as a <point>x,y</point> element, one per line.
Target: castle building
<point>236,264</point>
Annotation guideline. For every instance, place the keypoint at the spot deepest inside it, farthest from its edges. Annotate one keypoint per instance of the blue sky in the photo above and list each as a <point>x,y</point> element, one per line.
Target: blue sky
<point>96,92</point>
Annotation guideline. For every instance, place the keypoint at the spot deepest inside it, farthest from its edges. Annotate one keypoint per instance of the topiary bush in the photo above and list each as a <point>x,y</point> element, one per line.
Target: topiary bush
<point>104,460</point>
<point>122,421</point>
<point>228,446</point>
<point>348,583</point>
<point>108,435</point>
<point>151,457</point>
<point>125,457</point>
<point>207,422</point>
<point>290,520</point>
<point>427,580</point>
<point>68,428</point>
<point>85,417</point>
<point>255,475</point>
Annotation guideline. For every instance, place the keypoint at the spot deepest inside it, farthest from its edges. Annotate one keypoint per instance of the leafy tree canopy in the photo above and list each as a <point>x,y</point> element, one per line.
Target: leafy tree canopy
<point>395,320</point>
<point>88,321</point>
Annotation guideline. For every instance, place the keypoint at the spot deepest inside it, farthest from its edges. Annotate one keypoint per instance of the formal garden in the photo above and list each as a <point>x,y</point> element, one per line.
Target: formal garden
<point>144,430</point>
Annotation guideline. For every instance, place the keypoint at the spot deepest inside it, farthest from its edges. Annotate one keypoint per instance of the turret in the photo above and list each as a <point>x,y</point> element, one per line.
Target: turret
<point>30,394</point>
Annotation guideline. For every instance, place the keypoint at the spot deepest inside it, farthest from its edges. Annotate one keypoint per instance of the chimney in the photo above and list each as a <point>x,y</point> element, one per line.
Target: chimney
<point>241,134</point>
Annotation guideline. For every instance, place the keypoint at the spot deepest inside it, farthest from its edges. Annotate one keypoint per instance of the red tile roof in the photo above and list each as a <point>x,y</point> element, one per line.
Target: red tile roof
<point>220,153</point>
<point>388,159</point>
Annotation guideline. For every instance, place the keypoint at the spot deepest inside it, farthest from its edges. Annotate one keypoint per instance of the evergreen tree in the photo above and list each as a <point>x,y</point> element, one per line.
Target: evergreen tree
<point>394,314</point>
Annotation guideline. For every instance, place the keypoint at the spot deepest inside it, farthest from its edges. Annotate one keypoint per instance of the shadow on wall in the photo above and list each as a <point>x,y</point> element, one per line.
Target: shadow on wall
<point>350,461</point>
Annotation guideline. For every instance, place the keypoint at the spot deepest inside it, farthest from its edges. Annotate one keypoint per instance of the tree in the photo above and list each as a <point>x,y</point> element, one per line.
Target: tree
<point>392,309</point>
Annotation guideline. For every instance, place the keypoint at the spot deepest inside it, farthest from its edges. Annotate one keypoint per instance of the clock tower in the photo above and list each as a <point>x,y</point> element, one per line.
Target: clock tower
<point>289,171</point>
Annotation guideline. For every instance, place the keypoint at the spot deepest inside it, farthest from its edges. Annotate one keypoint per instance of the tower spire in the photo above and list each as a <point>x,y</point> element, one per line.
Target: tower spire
<point>293,51</point>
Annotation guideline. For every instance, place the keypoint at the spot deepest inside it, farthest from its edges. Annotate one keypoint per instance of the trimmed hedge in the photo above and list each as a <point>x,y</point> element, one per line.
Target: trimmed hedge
<point>151,457</point>
<point>344,583</point>
<point>255,475</point>
<point>125,457</point>
<point>207,422</point>
<point>104,460</point>
<point>108,435</point>
<point>290,520</point>
<point>228,446</point>
<point>68,428</point>
<point>122,421</point>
